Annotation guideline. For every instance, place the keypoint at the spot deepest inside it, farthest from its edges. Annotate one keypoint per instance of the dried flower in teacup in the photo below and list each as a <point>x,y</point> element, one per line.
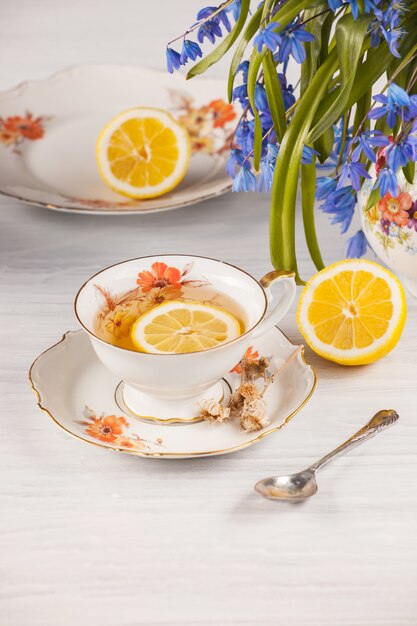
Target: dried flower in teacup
<point>213,411</point>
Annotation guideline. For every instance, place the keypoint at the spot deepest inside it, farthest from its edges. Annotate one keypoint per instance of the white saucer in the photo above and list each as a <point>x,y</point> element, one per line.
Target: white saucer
<point>68,377</point>
<point>51,161</point>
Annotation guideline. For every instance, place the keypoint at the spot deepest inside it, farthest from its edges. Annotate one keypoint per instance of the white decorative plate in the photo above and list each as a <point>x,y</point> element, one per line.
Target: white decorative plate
<point>48,132</point>
<point>80,395</point>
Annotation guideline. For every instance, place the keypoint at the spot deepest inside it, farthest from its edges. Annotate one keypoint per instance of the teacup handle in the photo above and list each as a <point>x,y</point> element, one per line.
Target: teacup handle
<point>288,289</point>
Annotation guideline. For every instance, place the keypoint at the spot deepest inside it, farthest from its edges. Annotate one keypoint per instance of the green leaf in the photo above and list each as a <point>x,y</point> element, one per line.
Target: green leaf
<point>313,48</point>
<point>326,31</point>
<point>379,59</point>
<point>285,183</point>
<point>324,144</point>
<point>224,46</point>
<point>350,35</point>
<point>409,171</point>
<point>308,191</point>
<point>250,32</point>
<point>374,198</point>
<point>283,16</point>
<point>254,67</point>
<point>291,8</point>
<point>361,114</point>
<point>274,95</point>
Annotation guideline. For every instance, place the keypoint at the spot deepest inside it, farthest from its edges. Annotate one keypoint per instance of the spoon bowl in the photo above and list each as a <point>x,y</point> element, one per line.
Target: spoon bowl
<point>294,487</point>
<point>303,485</point>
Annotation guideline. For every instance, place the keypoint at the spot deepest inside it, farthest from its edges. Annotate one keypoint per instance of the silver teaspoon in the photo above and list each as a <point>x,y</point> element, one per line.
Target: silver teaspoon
<point>300,486</point>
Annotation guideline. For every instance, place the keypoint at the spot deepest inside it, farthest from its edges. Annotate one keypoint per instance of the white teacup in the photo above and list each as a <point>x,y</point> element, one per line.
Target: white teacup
<point>170,386</point>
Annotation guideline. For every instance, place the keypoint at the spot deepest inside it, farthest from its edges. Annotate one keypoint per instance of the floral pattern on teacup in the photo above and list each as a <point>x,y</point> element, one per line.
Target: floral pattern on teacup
<point>392,220</point>
<point>154,286</point>
<point>14,130</point>
<point>111,429</point>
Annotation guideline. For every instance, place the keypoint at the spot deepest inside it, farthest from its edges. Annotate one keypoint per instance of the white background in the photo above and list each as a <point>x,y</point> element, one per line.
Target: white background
<point>98,539</point>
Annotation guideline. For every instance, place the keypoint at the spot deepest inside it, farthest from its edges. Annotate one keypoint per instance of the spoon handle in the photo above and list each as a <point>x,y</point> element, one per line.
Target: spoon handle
<point>380,421</point>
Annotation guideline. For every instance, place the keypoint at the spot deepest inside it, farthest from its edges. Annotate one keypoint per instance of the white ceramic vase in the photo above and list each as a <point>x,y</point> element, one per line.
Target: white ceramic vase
<point>391,228</point>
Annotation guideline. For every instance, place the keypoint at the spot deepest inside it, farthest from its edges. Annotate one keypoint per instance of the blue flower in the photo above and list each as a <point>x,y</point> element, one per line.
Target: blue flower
<point>366,141</point>
<point>267,167</point>
<point>308,155</point>
<point>268,37</point>
<point>244,68</point>
<point>410,113</point>
<point>240,93</point>
<point>190,50</point>
<point>399,154</point>
<point>244,181</point>
<point>354,8</point>
<point>353,171</point>
<point>392,104</point>
<point>387,23</point>
<point>220,17</point>
<point>211,28</point>
<point>356,245</point>
<point>236,159</point>
<point>287,91</point>
<point>387,182</point>
<point>234,9</point>
<point>292,44</point>
<point>173,60</point>
<point>324,186</point>
<point>245,135</point>
<point>340,204</point>
<point>261,101</point>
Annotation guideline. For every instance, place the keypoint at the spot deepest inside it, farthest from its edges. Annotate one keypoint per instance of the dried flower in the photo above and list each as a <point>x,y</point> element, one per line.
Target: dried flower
<point>213,411</point>
<point>253,416</point>
<point>249,391</point>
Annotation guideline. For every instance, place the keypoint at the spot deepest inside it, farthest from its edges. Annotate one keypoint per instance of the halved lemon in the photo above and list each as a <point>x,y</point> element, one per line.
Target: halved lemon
<point>352,312</point>
<point>143,153</point>
<point>177,326</point>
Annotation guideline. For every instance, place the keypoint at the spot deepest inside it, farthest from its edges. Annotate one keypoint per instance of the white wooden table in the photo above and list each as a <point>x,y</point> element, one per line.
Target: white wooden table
<point>100,539</point>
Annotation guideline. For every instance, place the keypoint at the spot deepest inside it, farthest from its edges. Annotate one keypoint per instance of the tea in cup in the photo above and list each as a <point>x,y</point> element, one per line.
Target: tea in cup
<point>171,326</point>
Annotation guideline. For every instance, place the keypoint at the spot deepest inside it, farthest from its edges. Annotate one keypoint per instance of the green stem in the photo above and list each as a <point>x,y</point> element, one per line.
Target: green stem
<point>308,190</point>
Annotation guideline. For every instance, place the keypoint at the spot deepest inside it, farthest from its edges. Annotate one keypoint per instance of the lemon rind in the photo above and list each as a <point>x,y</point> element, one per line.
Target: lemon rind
<point>354,356</point>
<point>142,193</point>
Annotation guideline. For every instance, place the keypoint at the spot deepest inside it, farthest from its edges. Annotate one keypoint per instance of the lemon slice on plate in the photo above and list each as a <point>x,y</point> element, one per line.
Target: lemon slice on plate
<point>143,153</point>
<point>177,326</point>
<point>352,312</point>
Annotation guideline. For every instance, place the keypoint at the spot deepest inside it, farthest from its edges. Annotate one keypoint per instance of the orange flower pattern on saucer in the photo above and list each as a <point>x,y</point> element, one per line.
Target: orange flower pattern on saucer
<point>110,429</point>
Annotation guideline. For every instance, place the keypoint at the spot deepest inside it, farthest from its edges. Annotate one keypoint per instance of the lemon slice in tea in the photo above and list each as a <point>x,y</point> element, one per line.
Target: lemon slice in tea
<point>176,327</point>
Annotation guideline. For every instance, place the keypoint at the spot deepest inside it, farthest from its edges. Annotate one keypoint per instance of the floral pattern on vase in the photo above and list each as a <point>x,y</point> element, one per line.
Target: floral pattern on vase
<point>390,227</point>
<point>393,221</point>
